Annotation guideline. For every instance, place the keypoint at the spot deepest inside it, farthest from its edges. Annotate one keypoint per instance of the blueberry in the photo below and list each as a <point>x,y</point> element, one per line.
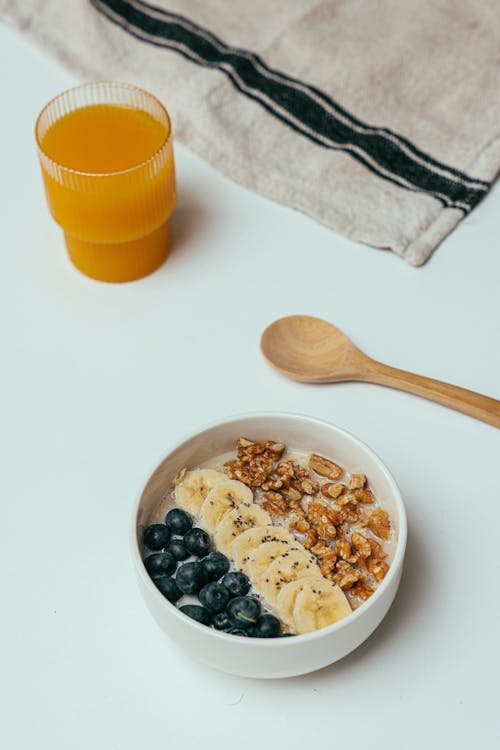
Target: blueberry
<point>190,577</point>
<point>160,564</point>
<point>215,565</point>
<point>168,588</point>
<point>200,614</point>
<point>238,631</point>
<point>177,548</point>
<point>285,635</point>
<point>178,521</point>
<point>267,626</point>
<point>214,596</point>
<point>237,583</point>
<point>243,611</point>
<point>156,536</point>
<point>220,621</point>
<point>197,542</point>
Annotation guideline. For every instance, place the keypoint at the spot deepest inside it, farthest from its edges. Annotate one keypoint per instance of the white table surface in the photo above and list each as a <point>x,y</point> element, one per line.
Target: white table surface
<point>98,380</point>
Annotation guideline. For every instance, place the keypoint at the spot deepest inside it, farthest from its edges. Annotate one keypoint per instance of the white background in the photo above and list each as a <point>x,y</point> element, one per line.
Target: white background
<point>98,380</point>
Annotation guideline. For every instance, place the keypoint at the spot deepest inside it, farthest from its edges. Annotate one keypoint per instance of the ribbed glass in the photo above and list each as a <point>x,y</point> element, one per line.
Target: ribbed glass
<point>109,208</point>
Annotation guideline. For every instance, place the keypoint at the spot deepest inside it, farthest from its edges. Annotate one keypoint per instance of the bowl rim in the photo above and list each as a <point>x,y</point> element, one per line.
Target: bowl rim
<point>264,643</point>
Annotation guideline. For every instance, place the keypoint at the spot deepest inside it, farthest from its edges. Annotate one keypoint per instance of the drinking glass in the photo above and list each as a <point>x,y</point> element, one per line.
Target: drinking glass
<point>107,162</point>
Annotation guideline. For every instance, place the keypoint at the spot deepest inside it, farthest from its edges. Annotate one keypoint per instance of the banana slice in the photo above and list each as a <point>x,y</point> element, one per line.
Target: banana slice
<point>224,497</point>
<point>238,520</point>
<point>249,540</point>
<point>192,487</point>
<point>286,599</point>
<point>289,567</point>
<point>262,557</point>
<point>318,604</point>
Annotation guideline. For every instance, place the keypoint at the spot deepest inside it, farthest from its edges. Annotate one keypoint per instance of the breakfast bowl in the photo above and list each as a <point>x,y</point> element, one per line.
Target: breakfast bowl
<point>309,649</point>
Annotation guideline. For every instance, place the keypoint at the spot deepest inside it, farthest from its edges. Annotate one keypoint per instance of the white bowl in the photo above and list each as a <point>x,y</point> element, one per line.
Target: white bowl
<point>274,657</point>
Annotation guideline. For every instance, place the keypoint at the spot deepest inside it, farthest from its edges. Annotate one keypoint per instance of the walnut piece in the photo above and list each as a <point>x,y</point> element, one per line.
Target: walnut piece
<point>246,448</point>
<point>348,498</point>
<point>285,469</point>
<point>346,507</point>
<point>324,467</point>
<point>308,486</point>
<point>293,494</point>
<point>377,553</point>
<point>321,519</point>
<point>327,567</point>
<point>254,462</point>
<point>336,516</point>
<point>362,545</point>
<point>321,549</point>
<point>357,481</point>
<point>297,520</point>
<point>379,523</point>
<point>251,474</point>
<point>346,576</point>
<point>362,590</point>
<point>332,490</point>
<point>296,481</point>
<point>295,504</point>
<point>275,503</point>
<point>273,484</point>
<point>364,495</point>
<point>311,540</point>
<point>243,443</point>
<point>378,569</point>
<point>327,558</point>
<point>344,550</point>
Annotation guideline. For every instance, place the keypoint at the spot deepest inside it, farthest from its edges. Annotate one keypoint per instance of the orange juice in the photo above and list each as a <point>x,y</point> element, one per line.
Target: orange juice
<point>109,177</point>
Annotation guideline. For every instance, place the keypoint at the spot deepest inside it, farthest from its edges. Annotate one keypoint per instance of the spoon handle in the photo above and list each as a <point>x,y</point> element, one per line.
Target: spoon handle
<point>474,404</point>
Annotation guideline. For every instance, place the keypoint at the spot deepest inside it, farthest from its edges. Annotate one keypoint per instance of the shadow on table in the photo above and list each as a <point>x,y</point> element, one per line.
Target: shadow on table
<point>409,601</point>
<point>189,220</point>
<point>406,608</point>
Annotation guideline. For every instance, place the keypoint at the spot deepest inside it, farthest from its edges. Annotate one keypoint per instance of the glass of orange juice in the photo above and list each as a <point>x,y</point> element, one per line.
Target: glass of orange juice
<point>108,167</point>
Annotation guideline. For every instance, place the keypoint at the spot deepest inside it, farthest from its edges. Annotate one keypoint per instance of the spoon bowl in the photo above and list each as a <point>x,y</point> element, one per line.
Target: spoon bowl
<point>311,350</point>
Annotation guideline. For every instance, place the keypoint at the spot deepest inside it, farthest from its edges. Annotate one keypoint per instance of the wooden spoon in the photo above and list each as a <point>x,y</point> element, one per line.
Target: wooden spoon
<point>314,351</point>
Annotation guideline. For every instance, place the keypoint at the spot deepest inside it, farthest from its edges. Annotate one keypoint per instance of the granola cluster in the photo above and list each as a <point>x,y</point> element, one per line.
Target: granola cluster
<point>333,516</point>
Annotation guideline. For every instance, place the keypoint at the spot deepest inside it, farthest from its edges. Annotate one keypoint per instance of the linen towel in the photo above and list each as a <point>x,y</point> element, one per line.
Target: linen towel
<point>379,118</point>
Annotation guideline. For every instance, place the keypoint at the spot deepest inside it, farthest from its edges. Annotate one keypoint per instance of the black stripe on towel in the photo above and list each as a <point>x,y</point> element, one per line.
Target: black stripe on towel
<point>302,107</point>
